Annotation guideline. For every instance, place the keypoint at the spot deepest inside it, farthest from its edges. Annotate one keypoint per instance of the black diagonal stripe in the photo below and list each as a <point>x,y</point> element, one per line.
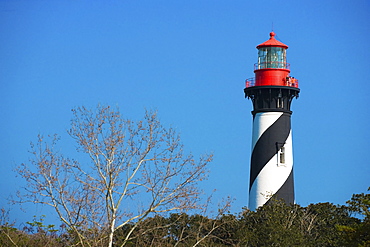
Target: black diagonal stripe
<point>286,192</point>
<point>266,145</point>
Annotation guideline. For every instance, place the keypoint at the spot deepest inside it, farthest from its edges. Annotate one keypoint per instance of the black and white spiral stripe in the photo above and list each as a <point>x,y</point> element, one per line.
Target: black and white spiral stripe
<point>272,159</point>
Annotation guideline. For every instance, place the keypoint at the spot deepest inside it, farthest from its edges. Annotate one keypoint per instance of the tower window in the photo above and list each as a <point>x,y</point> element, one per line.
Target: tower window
<point>280,103</point>
<point>282,155</point>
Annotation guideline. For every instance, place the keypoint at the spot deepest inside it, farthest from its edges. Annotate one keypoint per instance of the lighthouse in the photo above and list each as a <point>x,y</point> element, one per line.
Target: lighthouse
<point>271,90</point>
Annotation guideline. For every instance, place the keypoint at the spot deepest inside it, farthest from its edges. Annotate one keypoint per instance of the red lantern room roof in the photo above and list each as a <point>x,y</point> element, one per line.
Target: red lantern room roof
<point>272,42</point>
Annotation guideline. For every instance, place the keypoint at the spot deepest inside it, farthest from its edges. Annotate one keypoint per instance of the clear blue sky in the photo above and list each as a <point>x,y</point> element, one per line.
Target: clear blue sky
<point>189,59</point>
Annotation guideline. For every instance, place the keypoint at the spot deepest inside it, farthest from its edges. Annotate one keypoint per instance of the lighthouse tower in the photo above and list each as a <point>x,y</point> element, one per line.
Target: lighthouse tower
<point>271,91</point>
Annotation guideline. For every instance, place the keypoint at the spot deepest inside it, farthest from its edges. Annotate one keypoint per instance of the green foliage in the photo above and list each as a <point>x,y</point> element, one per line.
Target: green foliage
<point>274,224</point>
<point>34,234</point>
<point>358,234</point>
<point>38,225</point>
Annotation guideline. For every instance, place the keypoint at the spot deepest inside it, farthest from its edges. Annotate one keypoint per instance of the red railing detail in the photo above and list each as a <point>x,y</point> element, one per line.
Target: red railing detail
<point>288,82</point>
<point>250,82</point>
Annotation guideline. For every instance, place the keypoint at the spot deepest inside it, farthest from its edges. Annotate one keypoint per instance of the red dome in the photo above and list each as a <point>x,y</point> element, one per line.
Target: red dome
<point>272,42</point>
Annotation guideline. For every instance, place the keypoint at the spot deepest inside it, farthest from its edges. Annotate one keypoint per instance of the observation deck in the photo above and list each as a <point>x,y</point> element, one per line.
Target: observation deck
<point>286,82</point>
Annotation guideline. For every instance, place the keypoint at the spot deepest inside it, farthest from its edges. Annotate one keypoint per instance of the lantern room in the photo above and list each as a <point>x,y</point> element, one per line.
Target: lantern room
<point>272,68</point>
<point>272,54</point>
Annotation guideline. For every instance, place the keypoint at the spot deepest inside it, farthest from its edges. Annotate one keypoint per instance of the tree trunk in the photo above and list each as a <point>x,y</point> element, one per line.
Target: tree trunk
<point>111,232</point>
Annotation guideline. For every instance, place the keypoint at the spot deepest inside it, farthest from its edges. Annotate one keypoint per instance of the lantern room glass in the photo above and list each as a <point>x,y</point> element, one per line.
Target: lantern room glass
<point>272,57</point>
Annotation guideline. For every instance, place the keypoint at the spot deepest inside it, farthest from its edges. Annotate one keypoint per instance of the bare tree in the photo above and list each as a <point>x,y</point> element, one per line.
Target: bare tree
<point>133,170</point>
